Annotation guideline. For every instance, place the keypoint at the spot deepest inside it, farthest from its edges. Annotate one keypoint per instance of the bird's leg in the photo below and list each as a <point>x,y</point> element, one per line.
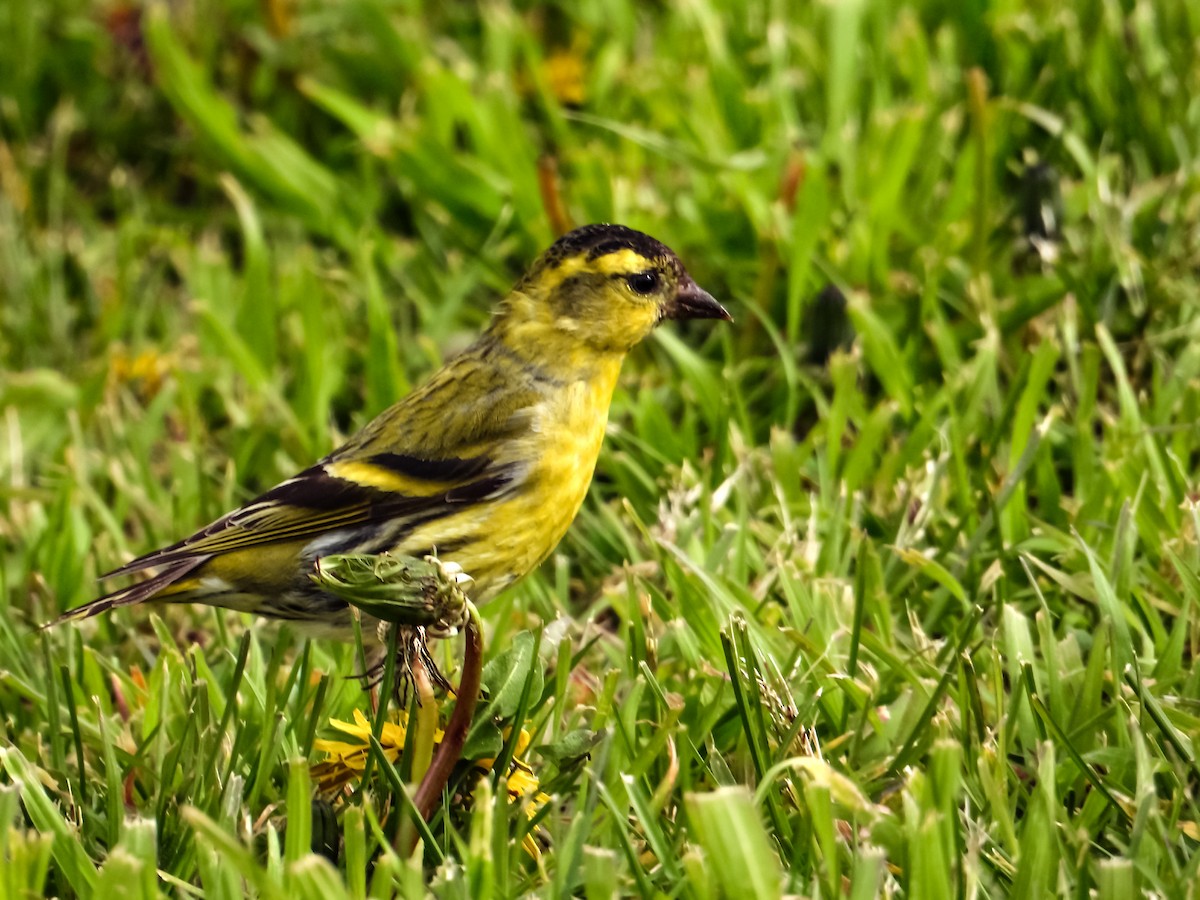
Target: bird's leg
<point>424,717</point>
<point>423,658</point>
<point>412,653</point>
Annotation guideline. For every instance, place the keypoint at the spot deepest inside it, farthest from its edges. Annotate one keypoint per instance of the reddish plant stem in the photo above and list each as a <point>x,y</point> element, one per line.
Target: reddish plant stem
<point>450,749</point>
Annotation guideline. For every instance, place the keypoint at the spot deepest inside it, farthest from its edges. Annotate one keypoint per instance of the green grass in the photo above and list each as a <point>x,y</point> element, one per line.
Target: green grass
<point>920,619</point>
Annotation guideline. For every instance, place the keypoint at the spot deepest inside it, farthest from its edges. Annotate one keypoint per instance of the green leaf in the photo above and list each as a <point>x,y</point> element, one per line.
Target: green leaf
<point>485,741</point>
<point>505,675</point>
<point>571,747</point>
<point>933,569</point>
<point>882,352</point>
<point>731,832</point>
<point>46,817</point>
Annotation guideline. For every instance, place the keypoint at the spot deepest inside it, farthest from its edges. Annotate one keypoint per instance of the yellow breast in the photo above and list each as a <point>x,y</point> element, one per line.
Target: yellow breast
<point>499,542</point>
<point>571,440</point>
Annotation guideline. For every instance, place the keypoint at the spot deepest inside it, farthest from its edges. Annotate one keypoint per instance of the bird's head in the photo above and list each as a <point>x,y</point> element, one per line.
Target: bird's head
<point>603,288</point>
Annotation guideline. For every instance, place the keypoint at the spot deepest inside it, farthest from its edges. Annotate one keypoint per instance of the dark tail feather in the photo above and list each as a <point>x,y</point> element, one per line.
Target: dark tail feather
<point>164,557</point>
<point>135,593</point>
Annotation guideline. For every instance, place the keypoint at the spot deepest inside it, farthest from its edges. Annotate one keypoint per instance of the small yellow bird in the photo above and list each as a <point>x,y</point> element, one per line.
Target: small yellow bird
<point>485,464</point>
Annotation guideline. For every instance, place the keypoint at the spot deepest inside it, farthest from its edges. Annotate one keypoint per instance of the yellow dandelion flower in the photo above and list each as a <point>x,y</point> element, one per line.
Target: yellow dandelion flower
<point>523,784</point>
<point>345,761</point>
<point>565,72</point>
<point>145,372</point>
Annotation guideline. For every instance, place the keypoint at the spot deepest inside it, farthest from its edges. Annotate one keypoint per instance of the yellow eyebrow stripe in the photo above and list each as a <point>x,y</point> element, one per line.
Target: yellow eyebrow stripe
<point>619,262</point>
<point>368,475</point>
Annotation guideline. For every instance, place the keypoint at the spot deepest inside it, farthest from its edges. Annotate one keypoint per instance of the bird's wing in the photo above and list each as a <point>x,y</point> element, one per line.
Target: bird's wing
<point>339,493</point>
<point>448,445</point>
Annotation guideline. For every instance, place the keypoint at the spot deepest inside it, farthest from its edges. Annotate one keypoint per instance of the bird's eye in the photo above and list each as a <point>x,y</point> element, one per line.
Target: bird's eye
<point>643,282</point>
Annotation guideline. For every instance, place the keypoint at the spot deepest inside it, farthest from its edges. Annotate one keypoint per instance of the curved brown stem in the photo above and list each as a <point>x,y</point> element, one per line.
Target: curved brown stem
<point>449,751</point>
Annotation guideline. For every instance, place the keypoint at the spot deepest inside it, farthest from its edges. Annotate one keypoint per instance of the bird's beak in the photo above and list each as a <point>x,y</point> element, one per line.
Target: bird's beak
<point>693,302</point>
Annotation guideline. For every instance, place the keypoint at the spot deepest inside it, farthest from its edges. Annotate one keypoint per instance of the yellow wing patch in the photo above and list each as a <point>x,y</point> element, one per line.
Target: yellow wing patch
<point>369,475</point>
<point>179,587</point>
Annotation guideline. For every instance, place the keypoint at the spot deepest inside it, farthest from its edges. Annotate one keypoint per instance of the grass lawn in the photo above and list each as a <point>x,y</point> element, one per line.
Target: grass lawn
<point>891,588</point>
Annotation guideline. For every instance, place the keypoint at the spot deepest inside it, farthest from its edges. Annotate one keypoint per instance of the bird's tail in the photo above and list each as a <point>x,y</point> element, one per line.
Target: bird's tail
<point>165,585</point>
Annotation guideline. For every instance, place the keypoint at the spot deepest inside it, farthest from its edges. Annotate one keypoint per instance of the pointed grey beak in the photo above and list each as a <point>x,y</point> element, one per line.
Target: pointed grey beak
<point>693,302</point>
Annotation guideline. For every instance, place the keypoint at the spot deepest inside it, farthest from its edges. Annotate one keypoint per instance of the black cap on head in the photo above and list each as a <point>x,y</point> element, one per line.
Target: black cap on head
<point>602,239</point>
